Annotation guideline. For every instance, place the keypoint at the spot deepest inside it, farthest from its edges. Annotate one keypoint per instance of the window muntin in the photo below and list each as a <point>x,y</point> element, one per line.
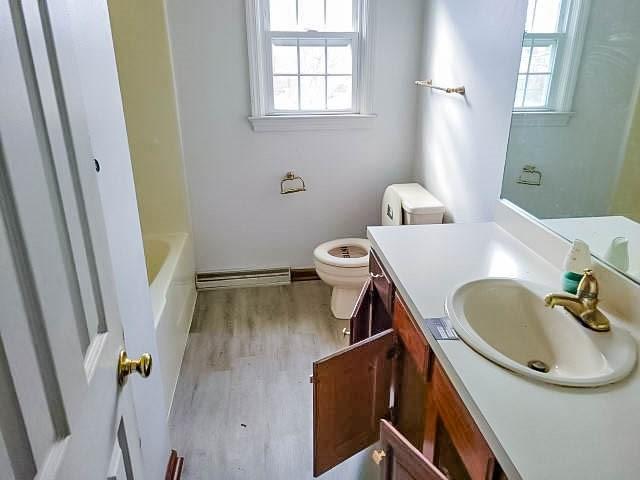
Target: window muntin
<point>312,55</point>
<point>306,15</point>
<point>535,74</point>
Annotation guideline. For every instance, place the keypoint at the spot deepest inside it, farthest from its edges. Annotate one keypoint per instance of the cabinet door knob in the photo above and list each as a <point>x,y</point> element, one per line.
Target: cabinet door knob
<point>377,456</point>
<point>345,332</point>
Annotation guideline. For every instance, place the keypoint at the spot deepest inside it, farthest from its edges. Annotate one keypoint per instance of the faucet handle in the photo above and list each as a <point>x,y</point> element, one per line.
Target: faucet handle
<point>588,286</point>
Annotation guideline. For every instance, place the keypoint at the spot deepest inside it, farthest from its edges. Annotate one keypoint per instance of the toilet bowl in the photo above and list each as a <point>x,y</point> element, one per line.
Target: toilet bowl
<point>344,265</point>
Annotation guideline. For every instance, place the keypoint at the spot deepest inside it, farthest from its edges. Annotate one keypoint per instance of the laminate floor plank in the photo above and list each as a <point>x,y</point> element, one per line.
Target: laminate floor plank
<point>243,404</point>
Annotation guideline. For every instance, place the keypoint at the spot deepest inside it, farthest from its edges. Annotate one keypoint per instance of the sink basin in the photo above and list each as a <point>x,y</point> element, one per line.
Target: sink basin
<point>506,321</point>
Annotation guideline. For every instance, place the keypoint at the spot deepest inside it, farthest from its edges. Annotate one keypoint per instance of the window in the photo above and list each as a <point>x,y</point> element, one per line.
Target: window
<point>551,50</point>
<point>309,58</point>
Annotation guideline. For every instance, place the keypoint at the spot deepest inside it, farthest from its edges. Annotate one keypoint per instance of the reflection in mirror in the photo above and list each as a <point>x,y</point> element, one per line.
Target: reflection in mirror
<point>573,159</point>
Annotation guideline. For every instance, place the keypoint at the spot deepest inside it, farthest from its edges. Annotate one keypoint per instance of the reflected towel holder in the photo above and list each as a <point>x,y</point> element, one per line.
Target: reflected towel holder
<point>530,176</point>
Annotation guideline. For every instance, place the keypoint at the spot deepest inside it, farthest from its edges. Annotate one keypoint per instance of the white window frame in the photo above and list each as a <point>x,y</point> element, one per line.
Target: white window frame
<point>264,118</point>
<point>568,52</point>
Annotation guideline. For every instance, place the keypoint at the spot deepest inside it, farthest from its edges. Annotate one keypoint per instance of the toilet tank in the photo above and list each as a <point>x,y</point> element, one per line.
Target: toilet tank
<point>410,204</point>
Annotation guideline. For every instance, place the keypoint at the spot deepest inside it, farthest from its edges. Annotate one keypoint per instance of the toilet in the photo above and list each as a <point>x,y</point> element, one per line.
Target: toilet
<point>344,263</point>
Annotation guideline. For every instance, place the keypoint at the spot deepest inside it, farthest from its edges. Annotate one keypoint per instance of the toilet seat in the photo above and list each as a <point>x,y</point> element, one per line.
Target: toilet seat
<point>344,252</point>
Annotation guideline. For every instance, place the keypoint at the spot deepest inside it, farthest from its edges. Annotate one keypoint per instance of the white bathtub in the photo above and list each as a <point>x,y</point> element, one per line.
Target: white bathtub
<point>170,270</point>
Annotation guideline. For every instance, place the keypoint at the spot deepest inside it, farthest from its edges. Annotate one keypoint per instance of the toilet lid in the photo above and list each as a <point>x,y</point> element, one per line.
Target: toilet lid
<point>344,252</point>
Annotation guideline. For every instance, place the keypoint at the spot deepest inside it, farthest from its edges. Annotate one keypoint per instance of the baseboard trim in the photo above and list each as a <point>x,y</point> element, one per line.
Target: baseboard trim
<point>174,466</point>
<point>304,274</point>
<point>243,278</point>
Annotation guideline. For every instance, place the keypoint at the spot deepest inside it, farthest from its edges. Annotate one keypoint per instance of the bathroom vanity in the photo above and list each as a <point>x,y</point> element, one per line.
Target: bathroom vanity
<point>438,406</point>
<point>390,372</point>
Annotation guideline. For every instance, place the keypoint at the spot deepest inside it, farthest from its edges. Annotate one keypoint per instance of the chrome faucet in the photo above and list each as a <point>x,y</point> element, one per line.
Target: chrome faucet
<point>584,305</point>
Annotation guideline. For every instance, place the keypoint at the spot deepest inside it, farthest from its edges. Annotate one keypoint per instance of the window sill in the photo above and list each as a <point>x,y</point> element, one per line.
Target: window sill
<point>288,123</point>
<point>541,119</point>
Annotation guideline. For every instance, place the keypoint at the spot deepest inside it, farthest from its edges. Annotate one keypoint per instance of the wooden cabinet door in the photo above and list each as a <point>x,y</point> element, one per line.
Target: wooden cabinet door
<point>381,296</point>
<point>413,340</point>
<point>360,321</point>
<point>452,439</point>
<point>351,393</point>
<point>381,282</point>
<point>403,461</point>
<point>411,386</point>
<point>374,307</point>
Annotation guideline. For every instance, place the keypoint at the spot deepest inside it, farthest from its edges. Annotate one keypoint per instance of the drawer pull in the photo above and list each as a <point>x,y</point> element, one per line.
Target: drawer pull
<point>377,456</point>
<point>376,275</point>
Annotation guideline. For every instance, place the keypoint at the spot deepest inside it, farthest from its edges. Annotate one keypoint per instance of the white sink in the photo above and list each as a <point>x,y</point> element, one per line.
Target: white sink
<point>506,321</point>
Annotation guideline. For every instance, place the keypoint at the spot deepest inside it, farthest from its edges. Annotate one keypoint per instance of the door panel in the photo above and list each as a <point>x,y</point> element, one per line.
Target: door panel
<point>351,393</point>
<point>360,321</point>
<point>449,425</point>
<point>411,400</point>
<point>60,330</point>
<point>68,155</point>
<point>413,340</point>
<point>402,460</point>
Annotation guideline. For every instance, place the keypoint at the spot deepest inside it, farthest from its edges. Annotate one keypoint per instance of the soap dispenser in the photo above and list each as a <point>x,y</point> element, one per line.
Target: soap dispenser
<point>618,253</point>
<point>578,259</point>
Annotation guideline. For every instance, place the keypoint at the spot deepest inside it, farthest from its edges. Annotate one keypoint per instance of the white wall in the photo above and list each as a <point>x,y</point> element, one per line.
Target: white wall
<point>462,141</point>
<point>143,57</point>
<point>106,124</point>
<point>240,220</point>
<point>580,162</point>
<point>626,200</point>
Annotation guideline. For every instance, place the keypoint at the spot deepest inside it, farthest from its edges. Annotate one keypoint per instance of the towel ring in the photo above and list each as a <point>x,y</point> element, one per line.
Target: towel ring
<point>292,177</point>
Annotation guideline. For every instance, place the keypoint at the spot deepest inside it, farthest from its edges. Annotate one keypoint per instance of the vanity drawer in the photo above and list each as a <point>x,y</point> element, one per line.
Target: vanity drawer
<point>411,336</point>
<point>381,283</point>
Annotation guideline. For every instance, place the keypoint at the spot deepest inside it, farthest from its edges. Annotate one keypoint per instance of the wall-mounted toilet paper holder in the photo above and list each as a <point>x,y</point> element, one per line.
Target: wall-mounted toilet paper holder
<point>292,177</point>
<point>530,176</point>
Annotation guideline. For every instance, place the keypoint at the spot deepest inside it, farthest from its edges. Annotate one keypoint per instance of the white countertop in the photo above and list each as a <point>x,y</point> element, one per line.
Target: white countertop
<point>537,431</point>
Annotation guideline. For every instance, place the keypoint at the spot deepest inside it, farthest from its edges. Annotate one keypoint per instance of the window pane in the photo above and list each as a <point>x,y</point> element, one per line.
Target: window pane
<point>519,92</point>
<point>541,59</point>
<point>524,60</point>
<point>537,91</point>
<point>312,57</point>
<point>339,93</point>
<point>547,16</point>
<point>312,93</point>
<point>530,8</point>
<point>282,14</point>
<point>285,93</point>
<point>339,59</point>
<point>311,14</point>
<point>285,58</point>
<point>339,15</point>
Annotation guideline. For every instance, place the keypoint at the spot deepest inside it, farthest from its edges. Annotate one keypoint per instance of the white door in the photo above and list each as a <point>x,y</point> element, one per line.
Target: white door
<point>62,413</point>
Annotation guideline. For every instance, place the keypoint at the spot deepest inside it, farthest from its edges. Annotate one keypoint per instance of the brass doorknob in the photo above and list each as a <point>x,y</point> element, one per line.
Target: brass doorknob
<point>345,332</point>
<point>377,456</point>
<point>127,366</point>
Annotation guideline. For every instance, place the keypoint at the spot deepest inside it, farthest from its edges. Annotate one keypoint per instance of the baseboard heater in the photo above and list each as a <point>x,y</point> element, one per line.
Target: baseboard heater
<point>243,278</point>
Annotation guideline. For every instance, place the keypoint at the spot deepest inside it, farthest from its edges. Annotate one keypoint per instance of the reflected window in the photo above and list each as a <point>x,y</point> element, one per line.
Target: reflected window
<point>550,57</point>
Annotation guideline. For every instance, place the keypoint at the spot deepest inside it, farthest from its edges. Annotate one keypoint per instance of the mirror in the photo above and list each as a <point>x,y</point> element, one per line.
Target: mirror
<point>573,159</point>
